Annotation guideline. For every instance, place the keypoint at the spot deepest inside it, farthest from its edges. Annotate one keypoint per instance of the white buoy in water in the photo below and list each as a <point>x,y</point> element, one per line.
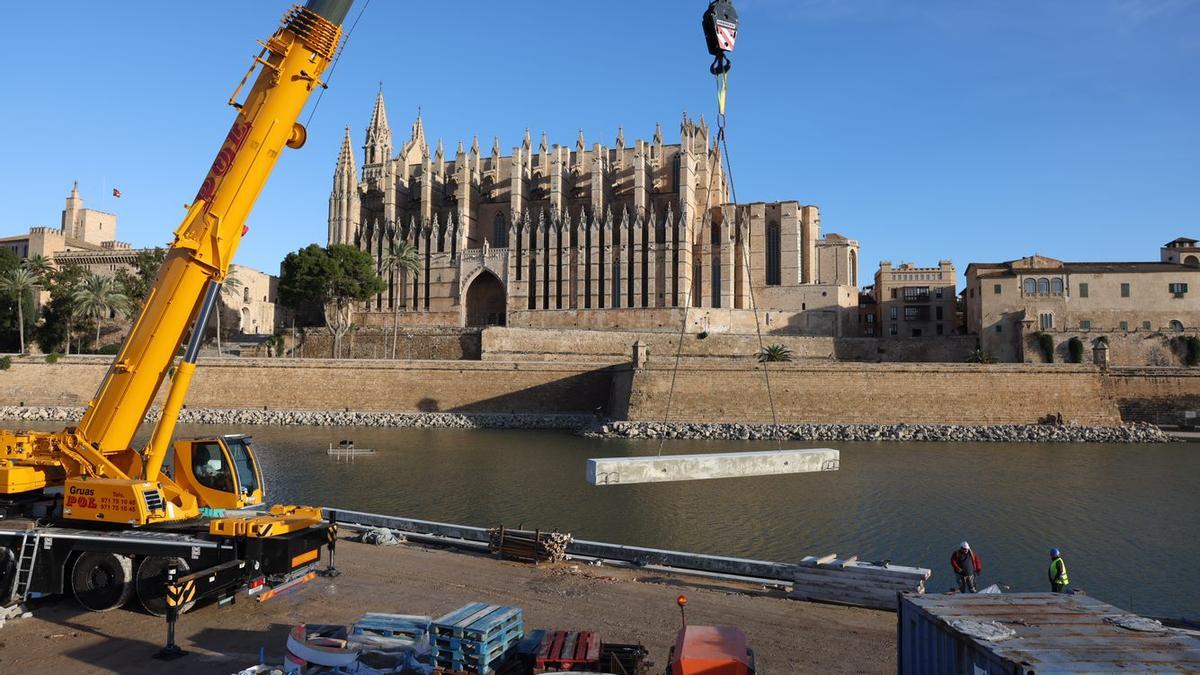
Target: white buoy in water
<point>664,468</point>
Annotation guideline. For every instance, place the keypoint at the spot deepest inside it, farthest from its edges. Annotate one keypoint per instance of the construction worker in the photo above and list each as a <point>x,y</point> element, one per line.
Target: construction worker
<point>967,566</point>
<point>1058,572</point>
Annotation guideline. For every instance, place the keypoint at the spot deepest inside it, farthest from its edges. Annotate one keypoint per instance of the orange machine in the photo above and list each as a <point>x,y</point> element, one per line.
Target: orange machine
<point>709,650</point>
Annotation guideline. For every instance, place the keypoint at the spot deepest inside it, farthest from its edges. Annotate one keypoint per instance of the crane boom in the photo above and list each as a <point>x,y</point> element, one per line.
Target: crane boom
<point>291,63</point>
<point>99,451</point>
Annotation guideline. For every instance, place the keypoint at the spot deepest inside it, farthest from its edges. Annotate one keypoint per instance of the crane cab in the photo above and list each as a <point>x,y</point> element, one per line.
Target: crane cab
<point>221,471</point>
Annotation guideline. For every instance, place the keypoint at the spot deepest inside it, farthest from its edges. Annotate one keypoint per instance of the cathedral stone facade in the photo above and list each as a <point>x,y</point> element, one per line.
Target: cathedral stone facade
<point>592,236</point>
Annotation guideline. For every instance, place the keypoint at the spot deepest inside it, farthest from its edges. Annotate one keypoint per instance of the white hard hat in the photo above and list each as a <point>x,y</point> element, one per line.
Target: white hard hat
<point>966,546</point>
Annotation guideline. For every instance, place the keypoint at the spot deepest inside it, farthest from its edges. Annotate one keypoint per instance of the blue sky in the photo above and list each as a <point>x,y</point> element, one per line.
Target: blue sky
<point>926,129</point>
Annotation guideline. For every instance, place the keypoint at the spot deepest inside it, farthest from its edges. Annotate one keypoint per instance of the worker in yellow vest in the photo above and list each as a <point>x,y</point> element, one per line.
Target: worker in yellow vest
<point>1058,572</point>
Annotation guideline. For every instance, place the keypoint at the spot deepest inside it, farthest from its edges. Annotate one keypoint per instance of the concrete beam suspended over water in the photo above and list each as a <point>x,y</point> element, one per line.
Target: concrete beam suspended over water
<point>627,470</point>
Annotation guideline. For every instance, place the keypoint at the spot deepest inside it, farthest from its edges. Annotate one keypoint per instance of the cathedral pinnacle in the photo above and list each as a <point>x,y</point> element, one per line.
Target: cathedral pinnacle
<point>658,137</point>
<point>345,162</point>
<point>580,144</point>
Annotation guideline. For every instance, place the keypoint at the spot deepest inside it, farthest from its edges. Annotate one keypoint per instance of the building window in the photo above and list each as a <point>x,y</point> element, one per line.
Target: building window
<point>940,330</point>
<point>1046,320</point>
<point>996,289</point>
<point>999,328</point>
<point>1056,287</point>
<point>916,294</point>
<point>1124,290</point>
<point>1176,325</point>
<point>938,293</point>
<point>911,313</point>
<point>500,231</point>
<point>1125,326</point>
<point>1043,286</point>
<point>245,295</point>
<point>894,313</point>
<point>1146,325</point>
<point>774,257</point>
<point>893,329</point>
<point>938,313</point>
<point>1085,324</point>
<point>1030,286</point>
<point>853,268</point>
<point>870,318</point>
<point>1178,290</point>
<point>916,332</point>
<point>1083,290</point>
<point>893,294</point>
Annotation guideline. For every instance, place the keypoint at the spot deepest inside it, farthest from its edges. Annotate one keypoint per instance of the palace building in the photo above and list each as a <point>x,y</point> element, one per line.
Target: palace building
<point>591,236</point>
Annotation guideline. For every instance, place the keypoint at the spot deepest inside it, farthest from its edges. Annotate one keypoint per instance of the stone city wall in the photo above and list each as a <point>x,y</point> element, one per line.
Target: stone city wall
<point>669,319</point>
<point>710,391</point>
<point>871,393</point>
<point>447,344</point>
<point>1134,348</point>
<point>616,346</point>
<point>314,384</point>
<point>1155,395</point>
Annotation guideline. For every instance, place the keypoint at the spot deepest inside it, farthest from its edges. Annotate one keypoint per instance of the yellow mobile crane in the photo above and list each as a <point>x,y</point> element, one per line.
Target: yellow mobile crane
<point>84,510</point>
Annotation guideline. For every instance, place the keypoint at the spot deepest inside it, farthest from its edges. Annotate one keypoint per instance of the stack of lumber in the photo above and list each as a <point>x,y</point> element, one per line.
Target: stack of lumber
<point>529,546</point>
<point>477,638</point>
<point>852,582</point>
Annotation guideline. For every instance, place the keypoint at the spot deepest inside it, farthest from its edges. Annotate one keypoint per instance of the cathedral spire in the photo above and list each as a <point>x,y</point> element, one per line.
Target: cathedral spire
<point>580,144</point>
<point>379,134</point>
<point>345,162</point>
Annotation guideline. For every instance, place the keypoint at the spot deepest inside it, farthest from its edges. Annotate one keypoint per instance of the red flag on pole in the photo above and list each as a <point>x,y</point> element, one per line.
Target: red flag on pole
<point>116,193</point>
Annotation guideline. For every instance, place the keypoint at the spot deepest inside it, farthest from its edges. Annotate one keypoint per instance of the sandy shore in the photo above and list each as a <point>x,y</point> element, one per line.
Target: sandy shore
<point>624,606</point>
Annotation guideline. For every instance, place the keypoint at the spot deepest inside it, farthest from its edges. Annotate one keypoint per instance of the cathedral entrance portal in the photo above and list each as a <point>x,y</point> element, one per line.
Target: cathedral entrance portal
<point>486,301</point>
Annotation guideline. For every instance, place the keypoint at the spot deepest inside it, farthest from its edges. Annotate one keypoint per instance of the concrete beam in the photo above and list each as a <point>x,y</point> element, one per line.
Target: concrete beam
<point>626,470</point>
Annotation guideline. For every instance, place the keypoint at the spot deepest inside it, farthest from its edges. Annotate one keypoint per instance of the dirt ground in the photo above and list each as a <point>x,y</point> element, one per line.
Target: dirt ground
<point>788,636</point>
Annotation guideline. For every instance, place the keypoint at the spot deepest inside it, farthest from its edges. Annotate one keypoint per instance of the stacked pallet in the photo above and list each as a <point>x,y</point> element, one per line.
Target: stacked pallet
<point>625,659</point>
<point>529,546</point>
<point>477,638</point>
<point>852,582</point>
<point>562,651</point>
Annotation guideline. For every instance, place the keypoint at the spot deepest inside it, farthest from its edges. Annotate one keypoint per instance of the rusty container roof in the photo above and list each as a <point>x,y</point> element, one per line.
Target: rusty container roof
<point>1041,633</point>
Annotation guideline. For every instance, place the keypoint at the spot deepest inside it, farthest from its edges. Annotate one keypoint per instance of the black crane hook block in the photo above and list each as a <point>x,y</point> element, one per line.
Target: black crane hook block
<point>720,30</point>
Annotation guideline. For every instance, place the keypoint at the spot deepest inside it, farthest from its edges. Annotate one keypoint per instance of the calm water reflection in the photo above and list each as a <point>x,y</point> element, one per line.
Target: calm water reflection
<point>1126,517</point>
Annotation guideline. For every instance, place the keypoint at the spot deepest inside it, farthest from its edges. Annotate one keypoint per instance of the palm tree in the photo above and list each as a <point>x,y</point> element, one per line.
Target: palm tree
<point>38,265</point>
<point>98,298</point>
<point>401,257</point>
<point>20,282</point>
<point>774,354</point>
<point>230,287</point>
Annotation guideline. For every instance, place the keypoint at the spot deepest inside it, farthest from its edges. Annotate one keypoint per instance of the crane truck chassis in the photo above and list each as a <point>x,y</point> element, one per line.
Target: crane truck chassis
<point>82,510</point>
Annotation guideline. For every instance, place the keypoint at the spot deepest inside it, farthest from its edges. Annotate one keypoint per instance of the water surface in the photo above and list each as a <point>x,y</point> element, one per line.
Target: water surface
<point>1125,516</point>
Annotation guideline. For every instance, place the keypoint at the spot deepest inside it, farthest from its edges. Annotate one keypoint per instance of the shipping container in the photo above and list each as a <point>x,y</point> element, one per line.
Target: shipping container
<point>1026,633</point>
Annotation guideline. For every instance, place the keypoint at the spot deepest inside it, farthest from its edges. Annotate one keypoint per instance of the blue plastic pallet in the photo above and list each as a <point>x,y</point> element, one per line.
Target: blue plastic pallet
<point>476,621</point>
<point>474,666</point>
<point>407,626</point>
<point>478,651</point>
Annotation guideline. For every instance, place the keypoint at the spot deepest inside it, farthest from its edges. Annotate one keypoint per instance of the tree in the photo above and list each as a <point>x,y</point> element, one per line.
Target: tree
<point>400,259</point>
<point>229,287</point>
<point>774,354</point>
<point>98,298</point>
<point>334,277</point>
<point>59,318</point>
<point>38,265</point>
<point>19,282</point>
<point>136,284</point>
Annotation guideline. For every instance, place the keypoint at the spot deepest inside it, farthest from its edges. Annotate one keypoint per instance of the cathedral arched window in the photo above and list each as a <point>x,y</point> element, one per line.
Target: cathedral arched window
<point>1043,286</point>
<point>500,231</point>
<point>1030,286</point>
<point>1056,286</point>
<point>774,257</point>
<point>853,268</point>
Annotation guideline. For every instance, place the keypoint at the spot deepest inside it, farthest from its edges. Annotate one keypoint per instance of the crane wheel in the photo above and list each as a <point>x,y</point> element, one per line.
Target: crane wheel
<point>152,583</point>
<point>102,581</point>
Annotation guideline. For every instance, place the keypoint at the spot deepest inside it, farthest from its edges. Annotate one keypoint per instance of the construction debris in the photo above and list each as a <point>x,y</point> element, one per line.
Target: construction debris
<point>853,582</point>
<point>529,546</point>
<point>381,536</point>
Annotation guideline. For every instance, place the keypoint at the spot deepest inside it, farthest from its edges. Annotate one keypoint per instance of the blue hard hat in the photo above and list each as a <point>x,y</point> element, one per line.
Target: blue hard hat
<point>1055,552</point>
